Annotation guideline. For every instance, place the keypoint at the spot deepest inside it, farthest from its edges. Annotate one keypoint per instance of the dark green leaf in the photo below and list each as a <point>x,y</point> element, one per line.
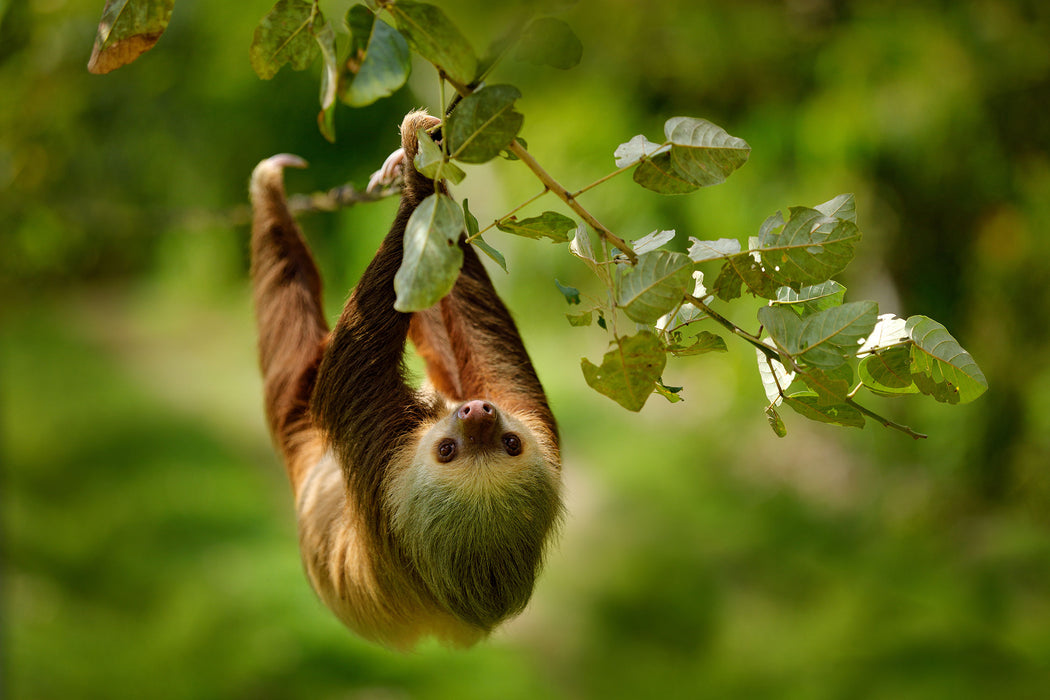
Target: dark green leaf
<point>434,37</point>
<point>703,342</point>
<point>571,294</point>
<point>669,392</point>
<point>379,61</point>
<point>810,248</point>
<point>432,257</point>
<point>743,269</point>
<point>703,151</point>
<point>655,286</point>
<point>783,326</point>
<point>629,371</point>
<point>888,372</point>
<point>832,386</point>
<point>126,30</point>
<point>548,41</point>
<point>940,366</point>
<point>549,224</point>
<point>808,404</point>
<point>659,174</point>
<point>286,35</point>
<point>483,124</point>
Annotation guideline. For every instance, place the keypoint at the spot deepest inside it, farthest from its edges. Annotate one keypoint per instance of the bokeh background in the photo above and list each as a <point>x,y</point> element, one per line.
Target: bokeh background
<point>149,546</point>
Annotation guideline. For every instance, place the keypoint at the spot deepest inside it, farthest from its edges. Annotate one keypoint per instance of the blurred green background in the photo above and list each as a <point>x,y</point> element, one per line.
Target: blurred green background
<point>149,546</point>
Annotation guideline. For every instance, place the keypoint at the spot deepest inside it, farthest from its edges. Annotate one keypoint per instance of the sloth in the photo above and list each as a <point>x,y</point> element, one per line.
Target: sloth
<point>421,511</point>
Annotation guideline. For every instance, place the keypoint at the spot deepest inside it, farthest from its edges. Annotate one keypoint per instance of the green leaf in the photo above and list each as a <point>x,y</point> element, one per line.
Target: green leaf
<point>434,37</point>
<point>379,61</point>
<point>783,326</point>
<point>810,248</point>
<point>659,174</point>
<point>776,422</point>
<point>743,269</point>
<point>491,252</point>
<point>636,149</point>
<point>581,319</point>
<point>430,161</point>
<point>548,41</point>
<point>549,224</point>
<point>702,251</point>
<point>842,207</point>
<point>655,286</point>
<point>703,342</point>
<point>286,35</point>
<point>629,371</point>
<point>775,377</point>
<point>432,256</point>
<point>827,338</point>
<point>832,386</point>
<point>812,299</point>
<point>808,404</point>
<point>483,124</point>
<point>329,81</point>
<point>703,151</point>
<point>887,372</point>
<point>126,30</point>
<point>571,294</point>
<point>669,392</point>
<point>940,366</point>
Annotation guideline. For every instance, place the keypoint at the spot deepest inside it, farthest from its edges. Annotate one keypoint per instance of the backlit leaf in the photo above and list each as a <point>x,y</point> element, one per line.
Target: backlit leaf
<point>655,286</point>
<point>430,161</point>
<point>325,37</point>
<point>703,151</point>
<point>887,372</point>
<point>126,30</point>
<point>810,248</point>
<point>629,371</point>
<point>828,338</point>
<point>808,404</point>
<point>659,174</point>
<point>286,35</point>
<point>940,366</point>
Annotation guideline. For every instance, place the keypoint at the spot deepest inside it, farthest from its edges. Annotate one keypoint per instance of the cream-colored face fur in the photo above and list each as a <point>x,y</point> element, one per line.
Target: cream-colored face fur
<point>475,527</point>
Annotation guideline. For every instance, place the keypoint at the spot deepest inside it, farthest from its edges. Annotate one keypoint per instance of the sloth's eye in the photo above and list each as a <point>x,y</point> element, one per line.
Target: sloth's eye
<point>446,450</point>
<point>512,444</point>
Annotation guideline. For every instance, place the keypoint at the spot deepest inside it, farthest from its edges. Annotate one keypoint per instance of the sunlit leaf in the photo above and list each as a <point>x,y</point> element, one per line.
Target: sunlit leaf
<point>549,224</point>
<point>286,35</point>
<point>581,319</point>
<point>126,30</point>
<point>432,256</point>
<point>637,148</point>
<point>701,251</point>
<point>671,393</point>
<point>651,241</point>
<point>831,386</point>
<point>842,207</point>
<point>890,331</point>
<point>629,371</point>
<point>703,151</point>
<point>775,377</point>
<point>940,366</point>
<point>483,124</point>
<point>379,61</point>
<point>655,286</point>
<point>434,37</point>
<point>549,41</point>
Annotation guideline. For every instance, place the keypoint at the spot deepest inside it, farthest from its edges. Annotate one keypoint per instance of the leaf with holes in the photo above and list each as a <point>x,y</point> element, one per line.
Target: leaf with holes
<point>629,371</point>
<point>549,224</point>
<point>809,249</point>
<point>432,256</point>
<point>887,372</point>
<point>812,299</point>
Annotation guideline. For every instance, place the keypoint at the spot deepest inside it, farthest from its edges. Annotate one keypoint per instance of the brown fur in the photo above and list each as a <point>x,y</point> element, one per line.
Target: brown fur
<point>396,544</point>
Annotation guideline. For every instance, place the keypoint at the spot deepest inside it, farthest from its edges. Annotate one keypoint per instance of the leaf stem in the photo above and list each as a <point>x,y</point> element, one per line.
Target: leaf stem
<point>733,328</point>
